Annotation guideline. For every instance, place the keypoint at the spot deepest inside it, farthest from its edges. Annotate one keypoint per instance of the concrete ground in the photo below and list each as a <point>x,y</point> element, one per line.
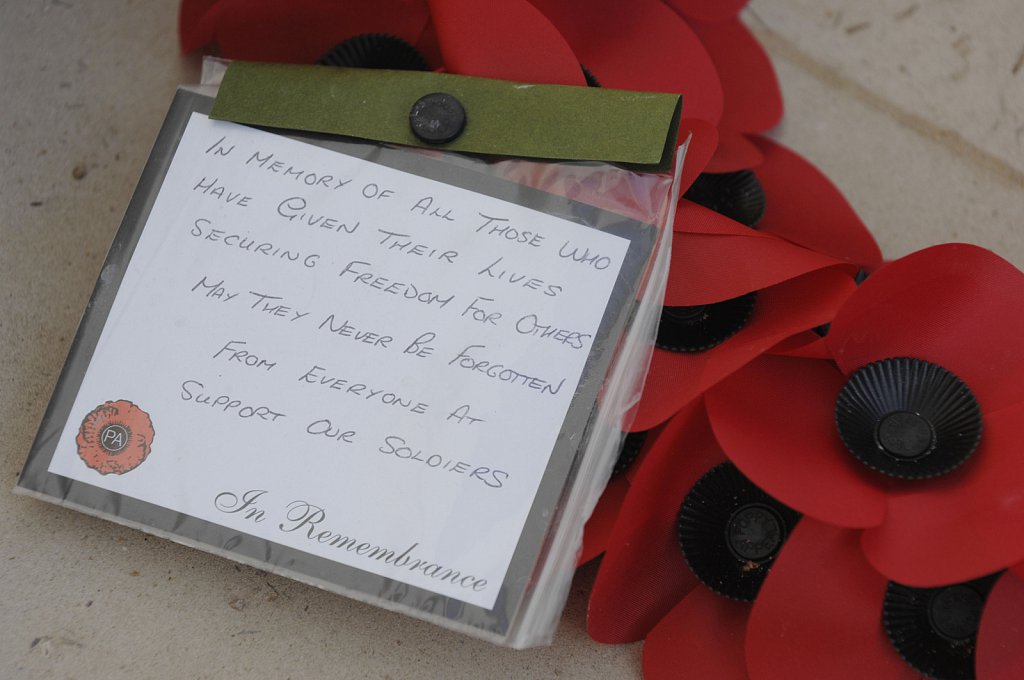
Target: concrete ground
<point>915,108</point>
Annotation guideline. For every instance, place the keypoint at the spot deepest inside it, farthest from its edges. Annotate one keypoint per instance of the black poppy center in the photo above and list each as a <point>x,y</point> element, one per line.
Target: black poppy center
<point>736,195</point>
<point>908,418</point>
<point>698,328</point>
<point>730,532</point>
<point>375,50</point>
<point>935,630</point>
<point>754,532</point>
<point>632,444</point>
<point>905,435</point>
<point>955,612</point>
<point>114,438</point>
<point>691,314</point>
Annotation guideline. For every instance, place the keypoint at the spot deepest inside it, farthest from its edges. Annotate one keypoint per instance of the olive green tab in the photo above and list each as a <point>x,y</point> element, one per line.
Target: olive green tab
<point>504,118</point>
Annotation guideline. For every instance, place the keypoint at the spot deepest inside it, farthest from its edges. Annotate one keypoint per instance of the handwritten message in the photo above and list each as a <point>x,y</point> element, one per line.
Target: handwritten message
<point>341,357</point>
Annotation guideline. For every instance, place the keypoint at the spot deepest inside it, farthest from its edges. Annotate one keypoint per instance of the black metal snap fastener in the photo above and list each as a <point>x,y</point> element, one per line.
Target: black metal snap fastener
<point>437,118</point>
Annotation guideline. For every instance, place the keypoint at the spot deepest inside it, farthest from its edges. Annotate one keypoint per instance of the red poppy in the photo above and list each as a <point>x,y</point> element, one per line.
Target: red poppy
<point>800,260</point>
<point>824,612</point>
<point>700,10</point>
<point>798,287</point>
<point>953,310</point>
<point>714,258</point>
<point>1000,652</point>
<point>115,437</point>
<point>602,520</point>
<point>680,519</point>
<point>644,572</point>
<point>752,100</point>
<point>702,634</point>
<point>509,40</point>
<point>293,32</point>
<point>803,207</point>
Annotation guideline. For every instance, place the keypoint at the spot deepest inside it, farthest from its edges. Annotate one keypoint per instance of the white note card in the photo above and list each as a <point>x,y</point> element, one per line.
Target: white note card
<point>340,357</point>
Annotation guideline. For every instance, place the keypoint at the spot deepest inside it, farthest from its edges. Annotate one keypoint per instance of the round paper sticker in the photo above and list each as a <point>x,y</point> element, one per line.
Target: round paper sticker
<point>115,437</point>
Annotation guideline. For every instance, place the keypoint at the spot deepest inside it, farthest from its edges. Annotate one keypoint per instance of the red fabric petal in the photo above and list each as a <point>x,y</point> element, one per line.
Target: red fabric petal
<point>428,45</point>
<point>662,397</point>
<point>693,218</point>
<point>505,39</point>
<point>268,30</point>
<point>639,45</point>
<point>702,147</point>
<point>676,379</point>
<point>956,305</point>
<point>819,613</point>
<point>806,345</point>
<point>775,420</point>
<point>963,525</point>
<point>999,653</point>
<point>702,637</point>
<point>702,10</point>
<point>599,526</point>
<point>1018,569</point>
<point>193,30</point>
<point>803,206</point>
<point>735,152</point>
<point>753,100</point>
<point>718,259</point>
<point>644,573</point>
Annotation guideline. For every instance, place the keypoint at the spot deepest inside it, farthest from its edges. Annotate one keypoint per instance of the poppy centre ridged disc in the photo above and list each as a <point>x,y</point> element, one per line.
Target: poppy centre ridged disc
<point>632,443</point>
<point>730,532</point>
<point>375,50</point>
<point>698,328</point>
<point>935,629</point>
<point>736,195</point>
<point>908,418</point>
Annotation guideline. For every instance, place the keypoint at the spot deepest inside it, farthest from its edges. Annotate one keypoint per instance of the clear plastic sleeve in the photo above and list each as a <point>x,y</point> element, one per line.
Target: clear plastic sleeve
<point>140,310</point>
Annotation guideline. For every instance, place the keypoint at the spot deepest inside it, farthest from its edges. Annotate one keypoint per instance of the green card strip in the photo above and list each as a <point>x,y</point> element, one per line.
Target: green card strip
<point>504,118</point>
